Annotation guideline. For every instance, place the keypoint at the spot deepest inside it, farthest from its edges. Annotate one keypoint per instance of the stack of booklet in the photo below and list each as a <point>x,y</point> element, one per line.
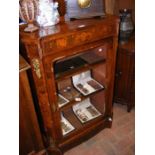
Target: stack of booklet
<point>85,111</point>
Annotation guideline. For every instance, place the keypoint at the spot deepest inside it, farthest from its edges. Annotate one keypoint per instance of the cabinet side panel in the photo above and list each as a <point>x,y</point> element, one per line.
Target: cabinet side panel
<point>29,132</point>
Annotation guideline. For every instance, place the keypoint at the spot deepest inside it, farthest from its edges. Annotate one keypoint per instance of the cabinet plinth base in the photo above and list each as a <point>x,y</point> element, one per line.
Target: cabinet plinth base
<point>85,136</point>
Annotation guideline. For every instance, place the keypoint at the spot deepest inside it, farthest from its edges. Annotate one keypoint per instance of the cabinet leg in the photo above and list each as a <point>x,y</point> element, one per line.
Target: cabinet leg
<point>128,108</point>
<point>54,151</point>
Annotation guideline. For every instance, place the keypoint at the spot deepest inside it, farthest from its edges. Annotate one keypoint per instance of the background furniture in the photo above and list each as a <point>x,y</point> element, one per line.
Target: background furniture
<point>125,74</point>
<point>30,139</point>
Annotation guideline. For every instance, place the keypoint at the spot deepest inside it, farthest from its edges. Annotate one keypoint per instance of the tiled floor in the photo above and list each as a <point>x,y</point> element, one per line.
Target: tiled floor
<point>119,140</point>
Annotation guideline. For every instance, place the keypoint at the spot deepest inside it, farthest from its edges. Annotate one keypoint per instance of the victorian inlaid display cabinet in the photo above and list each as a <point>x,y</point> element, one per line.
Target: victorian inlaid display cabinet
<point>73,66</point>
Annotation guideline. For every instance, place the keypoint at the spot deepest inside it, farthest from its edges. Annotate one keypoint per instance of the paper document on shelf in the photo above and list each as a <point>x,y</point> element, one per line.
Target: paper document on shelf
<point>85,111</point>
<point>85,83</point>
<point>66,126</point>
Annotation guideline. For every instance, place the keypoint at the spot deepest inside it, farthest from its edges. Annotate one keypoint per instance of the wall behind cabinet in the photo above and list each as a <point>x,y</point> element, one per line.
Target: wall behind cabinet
<point>113,6</point>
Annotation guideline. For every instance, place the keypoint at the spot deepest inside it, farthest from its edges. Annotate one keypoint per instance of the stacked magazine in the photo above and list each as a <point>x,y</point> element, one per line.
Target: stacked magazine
<point>85,83</point>
<point>85,111</point>
<point>66,125</point>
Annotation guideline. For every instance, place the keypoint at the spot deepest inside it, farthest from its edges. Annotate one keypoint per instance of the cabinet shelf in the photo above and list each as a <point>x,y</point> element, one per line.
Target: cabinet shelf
<point>77,88</point>
<point>95,100</point>
<point>77,64</point>
<point>73,102</point>
<point>77,71</point>
<point>78,125</point>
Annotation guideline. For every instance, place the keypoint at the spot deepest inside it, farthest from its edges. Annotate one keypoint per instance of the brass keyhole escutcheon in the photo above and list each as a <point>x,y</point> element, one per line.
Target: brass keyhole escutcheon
<point>84,3</point>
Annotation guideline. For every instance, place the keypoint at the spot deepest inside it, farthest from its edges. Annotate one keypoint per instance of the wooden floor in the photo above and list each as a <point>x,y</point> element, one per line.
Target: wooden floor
<point>119,140</point>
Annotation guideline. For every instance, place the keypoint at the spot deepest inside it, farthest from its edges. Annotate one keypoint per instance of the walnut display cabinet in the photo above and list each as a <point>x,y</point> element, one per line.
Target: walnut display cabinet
<point>73,66</point>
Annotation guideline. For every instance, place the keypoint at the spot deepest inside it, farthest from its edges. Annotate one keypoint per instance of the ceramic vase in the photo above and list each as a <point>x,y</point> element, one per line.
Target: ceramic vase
<point>28,10</point>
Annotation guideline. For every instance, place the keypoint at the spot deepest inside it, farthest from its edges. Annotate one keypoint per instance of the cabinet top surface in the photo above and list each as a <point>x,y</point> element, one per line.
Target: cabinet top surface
<point>70,26</point>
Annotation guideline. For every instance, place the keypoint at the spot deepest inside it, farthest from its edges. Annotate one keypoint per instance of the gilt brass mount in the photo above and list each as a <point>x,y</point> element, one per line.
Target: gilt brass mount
<point>36,67</point>
<point>84,3</point>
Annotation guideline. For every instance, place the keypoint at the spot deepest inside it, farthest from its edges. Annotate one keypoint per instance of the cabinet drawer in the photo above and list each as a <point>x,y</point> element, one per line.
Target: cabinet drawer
<point>74,39</point>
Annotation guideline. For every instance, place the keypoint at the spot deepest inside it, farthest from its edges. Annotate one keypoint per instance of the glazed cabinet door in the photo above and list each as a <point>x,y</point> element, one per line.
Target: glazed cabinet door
<point>78,86</point>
